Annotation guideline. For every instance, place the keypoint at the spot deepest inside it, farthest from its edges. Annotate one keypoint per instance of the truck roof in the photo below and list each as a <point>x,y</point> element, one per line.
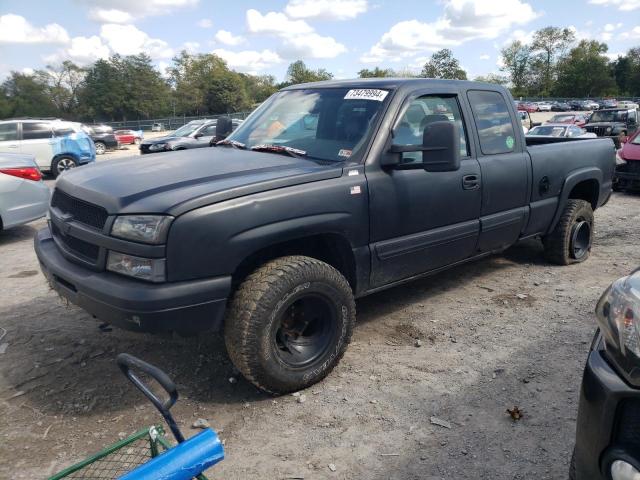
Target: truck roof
<point>392,82</point>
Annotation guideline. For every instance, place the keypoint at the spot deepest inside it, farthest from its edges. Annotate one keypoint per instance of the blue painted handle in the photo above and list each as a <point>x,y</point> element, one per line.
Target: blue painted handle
<point>182,462</point>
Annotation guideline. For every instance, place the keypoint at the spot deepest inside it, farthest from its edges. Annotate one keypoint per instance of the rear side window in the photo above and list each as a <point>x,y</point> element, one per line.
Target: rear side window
<point>35,131</point>
<point>8,132</point>
<point>493,122</point>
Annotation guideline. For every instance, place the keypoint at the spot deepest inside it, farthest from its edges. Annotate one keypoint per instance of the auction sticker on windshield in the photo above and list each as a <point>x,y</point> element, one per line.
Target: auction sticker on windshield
<point>366,94</point>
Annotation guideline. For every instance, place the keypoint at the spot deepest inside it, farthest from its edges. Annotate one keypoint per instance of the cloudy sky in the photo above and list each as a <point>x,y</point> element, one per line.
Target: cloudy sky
<point>342,36</point>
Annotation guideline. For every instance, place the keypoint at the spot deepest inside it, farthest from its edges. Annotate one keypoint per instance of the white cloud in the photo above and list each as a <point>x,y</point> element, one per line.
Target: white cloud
<point>191,47</point>
<point>485,56</point>
<point>227,38</point>
<point>633,34</point>
<point>623,5</point>
<point>298,37</point>
<point>249,61</point>
<point>27,71</point>
<point>205,23</point>
<point>82,50</point>
<point>110,15</point>
<point>613,55</point>
<point>127,11</point>
<point>462,21</point>
<point>129,40</point>
<point>275,23</point>
<point>326,9</point>
<point>16,29</point>
<point>610,27</point>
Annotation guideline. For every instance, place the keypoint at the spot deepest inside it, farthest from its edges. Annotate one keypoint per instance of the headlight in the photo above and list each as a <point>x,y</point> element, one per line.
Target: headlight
<point>618,314</point>
<point>151,269</point>
<point>142,228</point>
<point>608,130</point>
<point>157,146</point>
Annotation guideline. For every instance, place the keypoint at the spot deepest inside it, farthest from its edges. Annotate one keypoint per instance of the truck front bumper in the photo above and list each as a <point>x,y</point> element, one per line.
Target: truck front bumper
<point>626,180</point>
<point>184,307</point>
<point>608,423</point>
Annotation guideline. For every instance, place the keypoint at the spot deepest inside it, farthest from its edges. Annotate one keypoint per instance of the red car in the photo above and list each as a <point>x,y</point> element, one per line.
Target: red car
<point>128,137</point>
<point>575,118</point>
<point>527,107</point>
<point>627,174</point>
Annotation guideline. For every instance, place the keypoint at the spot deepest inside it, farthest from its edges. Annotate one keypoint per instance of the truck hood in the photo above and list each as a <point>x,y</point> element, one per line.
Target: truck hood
<point>176,182</point>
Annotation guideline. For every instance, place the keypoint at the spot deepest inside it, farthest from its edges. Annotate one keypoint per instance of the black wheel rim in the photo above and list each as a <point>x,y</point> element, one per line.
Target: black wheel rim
<point>580,239</point>
<point>305,329</point>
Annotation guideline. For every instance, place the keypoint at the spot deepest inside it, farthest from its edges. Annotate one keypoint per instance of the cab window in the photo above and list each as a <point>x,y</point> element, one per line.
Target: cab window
<point>8,132</point>
<point>493,122</point>
<point>419,114</point>
<point>35,131</point>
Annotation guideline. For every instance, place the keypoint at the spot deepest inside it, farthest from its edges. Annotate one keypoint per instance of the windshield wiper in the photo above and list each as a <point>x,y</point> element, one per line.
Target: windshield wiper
<point>233,143</point>
<point>294,152</point>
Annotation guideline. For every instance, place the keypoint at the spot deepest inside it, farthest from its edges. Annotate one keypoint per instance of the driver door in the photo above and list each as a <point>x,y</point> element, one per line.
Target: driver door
<point>205,135</point>
<point>421,221</point>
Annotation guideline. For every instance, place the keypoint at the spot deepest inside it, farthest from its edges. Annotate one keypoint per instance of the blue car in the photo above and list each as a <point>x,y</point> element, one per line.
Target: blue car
<point>57,145</point>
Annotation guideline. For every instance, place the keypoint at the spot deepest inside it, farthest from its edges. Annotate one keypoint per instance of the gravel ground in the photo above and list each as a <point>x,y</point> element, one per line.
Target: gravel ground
<point>483,348</point>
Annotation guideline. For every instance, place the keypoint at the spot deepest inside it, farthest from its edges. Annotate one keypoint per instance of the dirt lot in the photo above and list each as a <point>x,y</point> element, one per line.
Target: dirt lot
<point>483,350</point>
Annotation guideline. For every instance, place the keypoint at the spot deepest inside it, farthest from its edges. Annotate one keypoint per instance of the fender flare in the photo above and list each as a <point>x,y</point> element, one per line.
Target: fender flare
<point>573,179</point>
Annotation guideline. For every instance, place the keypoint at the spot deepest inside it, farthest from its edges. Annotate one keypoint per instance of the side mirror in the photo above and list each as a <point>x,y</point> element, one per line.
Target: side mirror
<point>198,135</point>
<point>440,149</point>
<point>535,124</point>
<point>224,126</point>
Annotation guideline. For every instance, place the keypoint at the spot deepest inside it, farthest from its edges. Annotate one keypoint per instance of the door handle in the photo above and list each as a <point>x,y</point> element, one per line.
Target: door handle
<point>470,182</point>
<point>544,185</point>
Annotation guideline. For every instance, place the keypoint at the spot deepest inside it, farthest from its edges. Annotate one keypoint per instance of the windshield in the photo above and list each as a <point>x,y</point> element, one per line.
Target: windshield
<point>331,124</point>
<point>636,140</point>
<point>550,131</point>
<point>562,118</point>
<point>611,116</point>
<point>186,130</point>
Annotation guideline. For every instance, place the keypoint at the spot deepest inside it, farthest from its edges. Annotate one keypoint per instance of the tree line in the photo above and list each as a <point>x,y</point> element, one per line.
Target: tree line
<point>132,87</point>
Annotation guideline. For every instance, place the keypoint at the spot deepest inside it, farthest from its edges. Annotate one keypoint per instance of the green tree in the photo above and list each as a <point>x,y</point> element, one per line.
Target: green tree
<point>492,78</point>
<point>516,58</point>
<point>585,71</point>
<point>27,96</point>
<point>64,83</point>
<point>203,84</point>
<point>376,73</point>
<point>148,93</point>
<point>104,93</point>
<point>551,43</point>
<point>626,71</point>
<point>298,72</point>
<point>443,64</point>
<point>259,87</point>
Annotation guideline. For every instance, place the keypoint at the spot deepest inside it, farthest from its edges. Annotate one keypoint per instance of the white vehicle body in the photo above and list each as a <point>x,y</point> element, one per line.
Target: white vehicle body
<point>544,106</point>
<point>627,104</point>
<point>55,144</point>
<point>21,200</point>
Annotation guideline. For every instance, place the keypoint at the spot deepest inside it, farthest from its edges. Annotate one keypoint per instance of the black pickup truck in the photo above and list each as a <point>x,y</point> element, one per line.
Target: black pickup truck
<point>327,192</point>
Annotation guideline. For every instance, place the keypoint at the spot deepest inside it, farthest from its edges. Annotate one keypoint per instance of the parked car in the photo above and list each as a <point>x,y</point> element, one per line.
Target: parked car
<point>102,136</point>
<point>627,104</point>
<point>157,127</point>
<point>614,123</point>
<point>608,423</point>
<point>527,107</point>
<point>560,107</point>
<point>195,134</point>
<point>576,105</point>
<point>329,191</point>
<point>560,130</point>
<point>609,103</point>
<point>56,145</point>
<point>544,106</point>
<point>575,118</point>
<point>23,195</point>
<point>627,174</point>
<point>129,137</point>
<point>590,105</point>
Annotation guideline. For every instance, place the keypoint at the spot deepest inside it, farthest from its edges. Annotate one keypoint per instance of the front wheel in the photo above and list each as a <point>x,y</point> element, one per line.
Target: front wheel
<point>61,164</point>
<point>570,241</point>
<point>289,323</point>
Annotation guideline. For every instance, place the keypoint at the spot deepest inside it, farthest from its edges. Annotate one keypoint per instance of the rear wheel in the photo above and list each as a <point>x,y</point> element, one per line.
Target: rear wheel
<point>100,148</point>
<point>570,241</point>
<point>61,164</point>
<point>136,141</point>
<point>289,323</point>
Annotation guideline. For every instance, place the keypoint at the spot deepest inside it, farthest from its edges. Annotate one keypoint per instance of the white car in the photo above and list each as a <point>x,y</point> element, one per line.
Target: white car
<point>559,130</point>
<point>56,145</point>
<point>544,106</point>
<point>24,197</point>
<point>628,104</point>
<point>591,105</point>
